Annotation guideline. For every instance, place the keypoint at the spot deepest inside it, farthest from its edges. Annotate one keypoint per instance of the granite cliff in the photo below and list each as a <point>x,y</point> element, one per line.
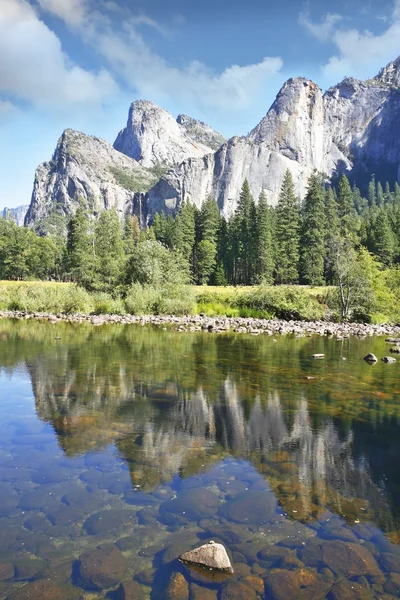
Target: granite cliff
<point>16,214</point>
<point>157,161</point>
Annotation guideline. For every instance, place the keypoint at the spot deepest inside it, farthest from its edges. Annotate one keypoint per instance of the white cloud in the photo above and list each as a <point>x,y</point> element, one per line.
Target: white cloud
<point>361,54</point>
<point>7,108</point>
<point>33,66</point>
<point>70,11</point>
<point>323,30</point>
<point>129,57</point>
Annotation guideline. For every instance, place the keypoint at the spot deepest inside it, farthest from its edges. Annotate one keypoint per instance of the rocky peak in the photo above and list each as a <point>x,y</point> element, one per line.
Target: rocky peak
<point>390,75</point>
<point>154,138</point>
<point>16,214</point>
<point>85,167</point>
<point>201,132</point>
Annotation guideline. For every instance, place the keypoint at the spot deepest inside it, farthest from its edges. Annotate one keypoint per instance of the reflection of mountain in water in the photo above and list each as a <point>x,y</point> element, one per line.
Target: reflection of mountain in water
<point>176,404</point>
<point>165,431</point>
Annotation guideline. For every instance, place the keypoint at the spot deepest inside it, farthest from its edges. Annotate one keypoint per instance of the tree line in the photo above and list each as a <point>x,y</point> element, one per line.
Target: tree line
<point>294,242</point>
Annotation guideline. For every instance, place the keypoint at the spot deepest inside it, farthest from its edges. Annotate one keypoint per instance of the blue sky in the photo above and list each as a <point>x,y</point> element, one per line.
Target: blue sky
<point>80,63</point>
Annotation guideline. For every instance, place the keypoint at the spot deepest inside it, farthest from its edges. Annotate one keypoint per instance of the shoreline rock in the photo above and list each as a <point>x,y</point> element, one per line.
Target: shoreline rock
<point>220,324</point>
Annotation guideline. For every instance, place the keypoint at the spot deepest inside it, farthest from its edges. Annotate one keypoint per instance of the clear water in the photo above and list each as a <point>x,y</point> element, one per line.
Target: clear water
<point>146,443</point>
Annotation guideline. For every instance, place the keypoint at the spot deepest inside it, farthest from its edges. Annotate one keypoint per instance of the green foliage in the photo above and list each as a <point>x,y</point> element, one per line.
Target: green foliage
<point>105,304</point>
<point>283,302</point>
<point>35,297</point>
<point>287,233</point>
<point>131,181</point>
<point>264,253</point>
<point>313,233</point>
<point>206,259</point>
<point>154,264</point>
<point>109,259</point>
<point>170,300</point>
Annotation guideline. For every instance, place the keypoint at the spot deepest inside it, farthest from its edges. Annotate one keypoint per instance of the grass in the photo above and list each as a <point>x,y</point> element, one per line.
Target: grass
<point>285,302</point>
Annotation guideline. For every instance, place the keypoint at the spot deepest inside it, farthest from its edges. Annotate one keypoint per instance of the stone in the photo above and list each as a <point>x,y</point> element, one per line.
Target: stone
<point>178,588</point>
<point>29,568</point>
<point>344,559</point>
<point>129,590</point>
<point>197,592</point>
<point>193,504</point>
<point>392,585</point>
<point>390,562</point>
<point>238,590</point>
<point>146,577</point>
<point>101,568</point>
<point>6,571</point>
<point>105,521</point>
<point>255,582</point>
<point>251,508</point>
<point>388,359</point>
<point>282,585</point>
<point>44,589</point>
<point>370,358</point>
<point>351,590</point>
<point>211,556</point>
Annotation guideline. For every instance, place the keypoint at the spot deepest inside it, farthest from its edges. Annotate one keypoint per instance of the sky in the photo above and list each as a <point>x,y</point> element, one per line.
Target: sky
<point>80,63</point>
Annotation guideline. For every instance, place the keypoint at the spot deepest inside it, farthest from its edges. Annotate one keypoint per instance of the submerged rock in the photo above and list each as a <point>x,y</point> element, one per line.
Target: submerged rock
<point>251,508</point>
<point>192,504</point>
<point>388,359</point>
<point>178,588</point>
<point>209,556</point>
<point>370,358</point>
<point>101,568</point>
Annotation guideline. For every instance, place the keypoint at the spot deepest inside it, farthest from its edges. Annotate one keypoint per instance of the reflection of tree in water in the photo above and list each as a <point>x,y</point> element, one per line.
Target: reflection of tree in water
<point>175,404</point>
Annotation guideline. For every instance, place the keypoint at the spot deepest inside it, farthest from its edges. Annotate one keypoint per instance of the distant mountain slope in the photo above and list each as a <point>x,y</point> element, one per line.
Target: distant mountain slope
<point>16,214</point>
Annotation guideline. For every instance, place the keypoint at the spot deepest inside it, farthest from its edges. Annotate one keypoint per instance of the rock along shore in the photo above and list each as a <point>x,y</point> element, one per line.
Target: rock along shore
<point>218,324</point>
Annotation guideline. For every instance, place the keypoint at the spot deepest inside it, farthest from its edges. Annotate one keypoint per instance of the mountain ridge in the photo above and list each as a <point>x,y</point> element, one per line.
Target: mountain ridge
<point>352,128</point>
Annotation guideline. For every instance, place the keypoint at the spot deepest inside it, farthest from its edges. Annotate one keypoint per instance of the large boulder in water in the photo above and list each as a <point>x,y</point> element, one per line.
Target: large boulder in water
<point>210,556</point>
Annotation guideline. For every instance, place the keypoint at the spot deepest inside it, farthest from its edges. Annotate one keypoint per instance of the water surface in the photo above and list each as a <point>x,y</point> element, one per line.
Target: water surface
<point>123,446</point>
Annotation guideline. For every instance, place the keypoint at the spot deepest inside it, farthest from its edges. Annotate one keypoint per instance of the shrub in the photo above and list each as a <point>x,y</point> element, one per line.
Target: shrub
<point>169,300</point>
<point>104,304</point>
<point>282,302</point>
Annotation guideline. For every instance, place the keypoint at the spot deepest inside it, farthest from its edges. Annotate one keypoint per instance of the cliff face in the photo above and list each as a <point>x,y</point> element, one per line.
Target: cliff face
<point>86,168</point>
<point>15,214</point>
<point>155,139</point>
<point>353,127</point>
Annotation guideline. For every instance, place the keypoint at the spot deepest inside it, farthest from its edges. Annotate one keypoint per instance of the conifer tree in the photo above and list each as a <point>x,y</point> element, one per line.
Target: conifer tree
<point>384,240</point>
<point>347,215</point>
<point>186,231</point>
<point>287,233</point>
<point>208,224</point>
<point>380,197</point>
<point>80,257</point>
<point>313,233</point>
<point>131,235</point>
<point>245,231</point>
<point>109,252</point>
<point>264,250</point>
<point>372,192</point>
<point>332,232</point>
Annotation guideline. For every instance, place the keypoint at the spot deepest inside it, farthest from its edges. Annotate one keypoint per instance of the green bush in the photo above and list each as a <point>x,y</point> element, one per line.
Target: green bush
<point>104,304</point>
<point>282,302</point>
<point>170,300</point>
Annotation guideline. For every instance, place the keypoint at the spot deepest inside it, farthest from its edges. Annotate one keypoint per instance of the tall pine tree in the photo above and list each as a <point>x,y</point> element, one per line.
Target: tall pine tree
<point>313,233</point>
<point>264,242</point>
<point>287,233</point>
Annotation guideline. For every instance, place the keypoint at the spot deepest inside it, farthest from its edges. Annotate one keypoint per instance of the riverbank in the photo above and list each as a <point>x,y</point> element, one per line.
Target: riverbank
<point>216,325</point>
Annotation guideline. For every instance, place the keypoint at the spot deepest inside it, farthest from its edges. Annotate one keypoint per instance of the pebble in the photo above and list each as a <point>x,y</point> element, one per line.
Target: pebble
<point>220,324</point>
